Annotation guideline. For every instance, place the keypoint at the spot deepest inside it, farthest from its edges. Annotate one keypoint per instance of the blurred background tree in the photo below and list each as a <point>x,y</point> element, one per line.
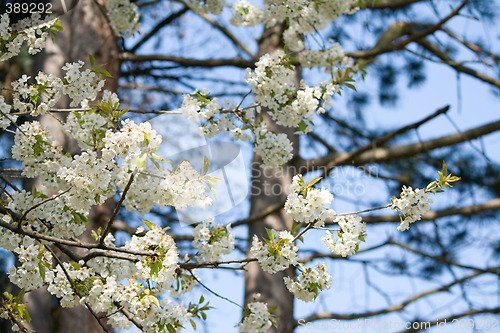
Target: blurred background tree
<point>373,141</point>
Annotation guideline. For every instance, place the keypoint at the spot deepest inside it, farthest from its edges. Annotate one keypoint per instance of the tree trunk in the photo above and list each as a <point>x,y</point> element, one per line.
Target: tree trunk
<point>85,32</point>
<point>269,187</point>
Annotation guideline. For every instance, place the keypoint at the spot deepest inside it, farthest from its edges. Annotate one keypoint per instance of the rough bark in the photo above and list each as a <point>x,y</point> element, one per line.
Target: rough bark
<point>85,32</point>
<point>269,188</point>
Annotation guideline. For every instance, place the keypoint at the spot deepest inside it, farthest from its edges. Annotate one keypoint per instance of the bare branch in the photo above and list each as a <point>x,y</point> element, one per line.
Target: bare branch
<point>399,307</point>
<point>117,208</point>
<point>455,316</point>
<point>379,155</point>
<point>459,67</point>
<point>389,4</point>
<point>493,204</point>
<point>169,19</point>
<point>187,62</point>
<point>385,43</point>
<point>222,29</point>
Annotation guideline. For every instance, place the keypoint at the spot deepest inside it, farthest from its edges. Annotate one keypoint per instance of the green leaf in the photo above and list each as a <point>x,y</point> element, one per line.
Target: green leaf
<point>41,269</point>
<point>92,60</point>
<point>274,308</point>
<point>155,301</point>
<point>302,125</point>
<point>75,265</point>
<point>141,161</point>
<point>202,299</point>
<point>350,85</point>
<point>19,296</point>
<point>156,157</point>
<point>270,234</point>
<point>206,165</point>
<point>148,224</point>
<point>193,324</point>
<point>7,295</point>
<point>314,181</point>
<point>212,189</point>
<point>170,328</point>
<point>155,269</point>
<point>104,73</point>
<point>212,179</point>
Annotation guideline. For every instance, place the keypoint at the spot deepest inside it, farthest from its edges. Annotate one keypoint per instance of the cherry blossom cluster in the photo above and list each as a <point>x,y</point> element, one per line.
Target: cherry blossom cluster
<point>33,30</point>
<point>275,149</point>
<point>58,218</point>
<point>36,98</point>
<point>183,283</point>
<point>307,285</point>
<point>306,203</point>
<point>257,318</point>
<point>411,205</point>
<point>351,233</point>
<point>32,272</point>
<point>276,253</point>
<point>39,154</point>
<point>212,6</point>
<point>306,17</point>
<point>81,86</point>
<point>272,83</point>
<point>246,14</point>
<point>5,117</point>
<point>101,284</point>
<point>212,241</point>
<point>123,17</point>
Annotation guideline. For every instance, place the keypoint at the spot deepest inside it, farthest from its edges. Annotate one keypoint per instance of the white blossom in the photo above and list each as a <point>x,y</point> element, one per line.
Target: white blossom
<point>123,17</point>
<point>307,285</point>
<point>412,204</point>
<point>212,241</point>
<point>256,318</point>
<point>277,253</point>
<point>351,234</point>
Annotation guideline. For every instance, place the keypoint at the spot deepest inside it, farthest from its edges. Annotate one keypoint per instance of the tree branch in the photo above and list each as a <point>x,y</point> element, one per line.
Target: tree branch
<point>455,316</point>
<point>398,29</point>
<point>379,155</point>
<point>493,204</point>
<point>459,67</point>
<point>187,62</point>
<point>389,4</point>
<point>169,19</point>
<point>395,308</point>
<point>222,29</point>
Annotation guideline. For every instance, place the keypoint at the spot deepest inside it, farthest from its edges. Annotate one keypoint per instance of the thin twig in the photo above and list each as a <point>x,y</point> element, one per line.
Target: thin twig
<point>117,208</point>
<point>211,291</point>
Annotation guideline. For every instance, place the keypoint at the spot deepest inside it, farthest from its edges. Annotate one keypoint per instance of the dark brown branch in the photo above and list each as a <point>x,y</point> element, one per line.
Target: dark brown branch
<point>75,290</point>
<point>389,4</point>
<point>40,236</point>
<point>385,45</point>
<point>169,19</point>
<point>379,155</point>
<point>436,258</point>
<point>268,211</point>
<point>117,208</point>
<point>493,204</point>
<point>459,67</point>
<point>187,62</point>
<point>455,316</point>
<point>222,29</point>
<point>399,307</point>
